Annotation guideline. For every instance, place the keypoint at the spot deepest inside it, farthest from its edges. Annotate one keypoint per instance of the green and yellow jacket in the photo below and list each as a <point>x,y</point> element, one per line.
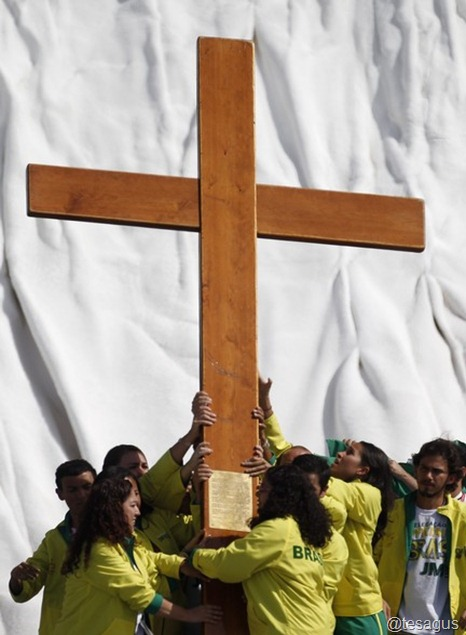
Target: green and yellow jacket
<point>162,492</point>
<point>162,486</point>
<point>358,592</point>
<point>119,582</point>
<point>335,554</point>
<point>282,577</point>
<point>48,559</point>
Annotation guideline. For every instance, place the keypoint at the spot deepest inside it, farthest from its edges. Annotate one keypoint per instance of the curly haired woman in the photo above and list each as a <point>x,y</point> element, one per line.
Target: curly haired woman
<point>279,562</point>
<point>113,581</point>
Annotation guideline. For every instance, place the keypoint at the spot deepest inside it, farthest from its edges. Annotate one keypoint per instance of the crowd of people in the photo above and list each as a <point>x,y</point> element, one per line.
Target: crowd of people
<point>352,543</point>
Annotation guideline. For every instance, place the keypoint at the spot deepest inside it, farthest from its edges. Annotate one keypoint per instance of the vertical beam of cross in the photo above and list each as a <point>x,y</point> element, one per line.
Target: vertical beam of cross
<point>228,245</point>
<point>228,278</point>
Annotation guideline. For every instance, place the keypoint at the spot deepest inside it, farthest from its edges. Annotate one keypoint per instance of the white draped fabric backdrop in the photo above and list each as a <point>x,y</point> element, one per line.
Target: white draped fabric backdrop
<point>99,324</point>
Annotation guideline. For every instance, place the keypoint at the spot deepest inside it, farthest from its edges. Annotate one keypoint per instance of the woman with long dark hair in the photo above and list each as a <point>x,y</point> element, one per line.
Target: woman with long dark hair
<point>280,561</point>
<point>113,581</point>
<point>363,484</point>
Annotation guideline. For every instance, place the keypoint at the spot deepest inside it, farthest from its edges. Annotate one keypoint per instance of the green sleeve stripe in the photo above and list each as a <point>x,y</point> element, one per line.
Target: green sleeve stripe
<point>155,604</point>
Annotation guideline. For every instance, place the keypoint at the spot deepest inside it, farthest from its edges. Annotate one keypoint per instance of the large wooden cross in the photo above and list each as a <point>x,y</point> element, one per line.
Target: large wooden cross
<point>230,211</point>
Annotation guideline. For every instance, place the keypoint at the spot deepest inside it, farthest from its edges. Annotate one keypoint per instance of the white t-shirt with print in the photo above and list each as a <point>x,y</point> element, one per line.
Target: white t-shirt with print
<point>425,594</point>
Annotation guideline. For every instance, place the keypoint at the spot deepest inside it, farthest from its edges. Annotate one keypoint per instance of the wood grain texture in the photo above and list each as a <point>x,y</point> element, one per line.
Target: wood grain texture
<point>306,215</point>
<point>228,271</point>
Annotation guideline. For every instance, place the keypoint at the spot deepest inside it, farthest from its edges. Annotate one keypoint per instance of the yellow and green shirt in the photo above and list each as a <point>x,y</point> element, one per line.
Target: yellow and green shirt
<point>282,577</point>
<point>358,592</point>
<point>48,559</point>
<point>106,597</point>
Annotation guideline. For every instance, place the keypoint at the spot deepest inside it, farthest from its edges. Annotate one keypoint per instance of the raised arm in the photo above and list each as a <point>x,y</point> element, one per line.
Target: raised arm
<point>203,416</point>
<point>264,396</point>
<point>164,485</point>
<point>273,432</point>
<point>402,475</point>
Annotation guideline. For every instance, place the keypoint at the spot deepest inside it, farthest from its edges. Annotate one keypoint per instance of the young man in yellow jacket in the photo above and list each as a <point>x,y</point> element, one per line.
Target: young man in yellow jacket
<point>74,480</point>
<point>422,556</point>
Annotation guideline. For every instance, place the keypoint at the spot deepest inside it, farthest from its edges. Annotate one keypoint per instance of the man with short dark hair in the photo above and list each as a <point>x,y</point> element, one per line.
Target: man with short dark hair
<point>422,555</point>
<point>74,480</point>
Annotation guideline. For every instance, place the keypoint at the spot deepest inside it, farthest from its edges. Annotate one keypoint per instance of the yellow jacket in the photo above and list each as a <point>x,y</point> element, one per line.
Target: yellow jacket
<point>169,532</point>
<point>282,577</point>
<point>162,486</point>
<point>359,592</point>
<point>274,434</point>
<point>163,491</point>
<point>48,559</point>
<point>335,555</point>
<point>105,597</point>
<point>393,550</point>
<point>337,512</point>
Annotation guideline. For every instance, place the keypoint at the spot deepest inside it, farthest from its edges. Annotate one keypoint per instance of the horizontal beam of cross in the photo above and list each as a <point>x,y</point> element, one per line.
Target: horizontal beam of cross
<point>340,218</point>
